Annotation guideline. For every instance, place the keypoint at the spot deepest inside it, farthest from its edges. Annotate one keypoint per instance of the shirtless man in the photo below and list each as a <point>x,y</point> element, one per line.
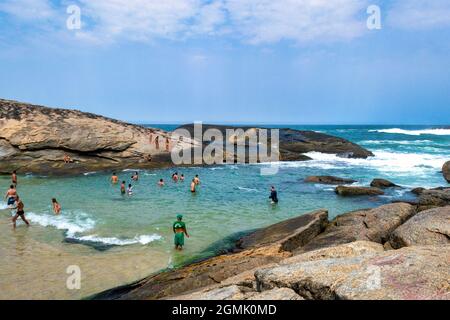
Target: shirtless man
<point>135,177</point>
<point>182,177</point>
<point>193,185</point>
<point>161,182</point>
<point>114,178</point>
<point>14,178</point>
<point>175,177</point>
<point>67,159</point>
<point>179,229</point>
<point>19,213</point>
<point>196,179</point>
<point>11,195</point>
<point>56,206</point>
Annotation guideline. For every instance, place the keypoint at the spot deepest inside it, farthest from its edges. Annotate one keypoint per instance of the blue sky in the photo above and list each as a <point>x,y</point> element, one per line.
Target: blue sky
<point>238,61</point>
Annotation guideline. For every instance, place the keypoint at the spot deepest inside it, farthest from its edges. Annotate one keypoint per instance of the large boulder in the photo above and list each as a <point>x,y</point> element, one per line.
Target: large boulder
<point>412,273</point>
<point>431,227</point>
<point>358,191</point>
<point>446,171</point>
<point>438,197</point>
<point>329,180</point>
<point>370,225</point>
<point>382,183</point>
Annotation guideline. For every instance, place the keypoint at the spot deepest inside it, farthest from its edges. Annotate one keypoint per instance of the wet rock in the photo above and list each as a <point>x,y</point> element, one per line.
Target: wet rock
<point>232,292</point>
<point>430,227</point>
<point>329,180</point>
<point>418,191</point>
<point>277,294</point>
<point>358,191</point>
<point>446,171</point>
<point>374,225</point>
<point>435,197</point>
<point>412,273</point>
<point>382,183</point>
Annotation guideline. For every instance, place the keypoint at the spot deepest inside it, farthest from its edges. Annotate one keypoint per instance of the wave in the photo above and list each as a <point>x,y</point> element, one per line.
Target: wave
<point>3,206</point>
<point>396,142</point>
<point>439,132</point>
<point>71,225</point>
<point>247,189</point>
<point>384,161</point>
<point>89,173</point>
<point>142,239</point>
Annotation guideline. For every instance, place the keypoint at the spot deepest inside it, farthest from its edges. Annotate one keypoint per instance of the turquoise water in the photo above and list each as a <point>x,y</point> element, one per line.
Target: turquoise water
<point>230,199</point>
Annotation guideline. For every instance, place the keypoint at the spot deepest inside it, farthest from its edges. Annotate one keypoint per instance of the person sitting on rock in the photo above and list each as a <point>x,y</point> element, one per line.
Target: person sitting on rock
<point>167,144</point>
<point>67,158</point>
<point>157,142</point>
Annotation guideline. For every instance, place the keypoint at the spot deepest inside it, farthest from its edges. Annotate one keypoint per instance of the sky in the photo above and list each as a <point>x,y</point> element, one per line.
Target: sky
<point>231,61</point>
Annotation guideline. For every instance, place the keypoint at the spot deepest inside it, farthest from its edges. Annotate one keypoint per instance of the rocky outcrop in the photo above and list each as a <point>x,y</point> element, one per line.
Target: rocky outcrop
<point>434,198</point>
<point>446,171</point>
<point>293,144</point>
<point>431,227</point>
<point>413,273</point>
<point>382,183</point>
<point>358,191</point>
<point>35,139</point>
<point>374,225</point>
<point>328,180</point>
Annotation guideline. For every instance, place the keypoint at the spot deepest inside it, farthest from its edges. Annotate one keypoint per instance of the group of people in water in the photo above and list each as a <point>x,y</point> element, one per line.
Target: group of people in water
<point>14,202</point>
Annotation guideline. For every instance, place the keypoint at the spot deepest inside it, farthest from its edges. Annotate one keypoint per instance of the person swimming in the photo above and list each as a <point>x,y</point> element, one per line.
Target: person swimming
<point>123,188</point>
<point>135,176</point>
<point>197,179</point>
<point>11,195</point>
<point>175,177</point>
<point>114,178</point>
<point>179,229</point>
<point>56,206</point>
<point>193,185</point>
<point>161,182</point>
<point>19,213</point>
<point>130,190</point>
<point>273,195</point>
<point>182,177</point>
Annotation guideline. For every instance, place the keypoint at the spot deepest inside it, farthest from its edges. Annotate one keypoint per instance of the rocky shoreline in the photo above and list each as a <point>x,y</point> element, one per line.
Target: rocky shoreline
<point>35,139</point>
<point>395,251</point>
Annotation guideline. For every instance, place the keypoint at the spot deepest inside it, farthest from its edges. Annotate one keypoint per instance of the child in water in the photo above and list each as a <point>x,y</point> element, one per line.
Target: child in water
<point>56,206</point>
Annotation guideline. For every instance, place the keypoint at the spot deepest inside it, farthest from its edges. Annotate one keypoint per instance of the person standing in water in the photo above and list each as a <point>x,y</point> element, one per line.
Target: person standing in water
<point>14,178</point>
<point>273,195</point>
<point>56,206</point>
<point>161,182</point>
<point>114,178</point>
<point>11,195</point>
<point>19,213</point>
<point>130,190</point>
<point>175,177</point>
<point>197,179</point>
<point>182,178</point>
<point>123,188</point>
<point>193,185</point>
<point>179,229</point>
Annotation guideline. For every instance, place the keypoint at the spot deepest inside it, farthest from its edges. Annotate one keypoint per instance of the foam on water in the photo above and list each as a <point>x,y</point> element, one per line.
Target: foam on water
<point>142,239</point>
<point>247,189</point>
<point>398,142</point>
<point>439,132</point>
<point>70,223</point>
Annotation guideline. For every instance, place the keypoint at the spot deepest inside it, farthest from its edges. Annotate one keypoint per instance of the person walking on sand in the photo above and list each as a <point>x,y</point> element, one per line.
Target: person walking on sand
<point>273,195</point>
<point>56,206</point>
<point>19,213</point>
<point>179,229</point>
<point>123,188</point>
<point>193,185</point>
<point>114,178</point>
<point>197,179</point>
<point>161,182</point>
<point>11,195</point>
<point>157,142</point>
<point>14,178</point>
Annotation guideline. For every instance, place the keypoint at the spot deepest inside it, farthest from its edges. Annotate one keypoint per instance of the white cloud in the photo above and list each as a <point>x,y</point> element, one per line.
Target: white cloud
<point>28,10</point>
<point>419,14</point>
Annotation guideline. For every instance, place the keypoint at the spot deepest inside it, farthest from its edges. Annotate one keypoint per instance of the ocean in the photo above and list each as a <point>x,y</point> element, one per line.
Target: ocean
<point>117,239</point>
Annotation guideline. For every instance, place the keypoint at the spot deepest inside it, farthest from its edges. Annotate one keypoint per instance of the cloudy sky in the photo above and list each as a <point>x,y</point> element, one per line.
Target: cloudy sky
<point>239,61</point>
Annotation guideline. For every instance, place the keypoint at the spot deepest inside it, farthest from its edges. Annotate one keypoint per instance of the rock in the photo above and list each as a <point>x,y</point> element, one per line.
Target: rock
<point>291,233</point>
<point>412,273</point>
<point>418,191</point>
<point>293,144</point>
<point>431,227</point>
<point>232,292</point>
<point>35,138</point>
<point>358,191</point>
<point>264,247</point>
<point>329,180</point>
<point>435,197</point>
<point>277,294</point>
<point>369,225</point>
<point>446,171</point>
<point>382,183</point>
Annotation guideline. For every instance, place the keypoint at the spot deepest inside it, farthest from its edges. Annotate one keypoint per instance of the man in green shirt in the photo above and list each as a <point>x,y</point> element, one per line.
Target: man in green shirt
<point>179,228</point>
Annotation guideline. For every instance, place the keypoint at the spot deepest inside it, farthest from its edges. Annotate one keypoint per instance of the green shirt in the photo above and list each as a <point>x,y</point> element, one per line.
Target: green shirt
<point>179,225</point>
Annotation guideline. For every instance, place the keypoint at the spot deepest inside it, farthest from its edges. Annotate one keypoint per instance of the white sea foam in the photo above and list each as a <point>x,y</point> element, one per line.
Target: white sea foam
<point>439,132</point>
<point>3,206</point>
<point>142,239</point>
<point>89,173</point>
<point>72,224</point>
<point>397,142</point>
<point>247,189</point>
<point>384,161</point>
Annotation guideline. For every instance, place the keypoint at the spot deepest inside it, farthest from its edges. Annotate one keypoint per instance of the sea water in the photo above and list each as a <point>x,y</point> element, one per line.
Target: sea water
<point>116,239</point>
